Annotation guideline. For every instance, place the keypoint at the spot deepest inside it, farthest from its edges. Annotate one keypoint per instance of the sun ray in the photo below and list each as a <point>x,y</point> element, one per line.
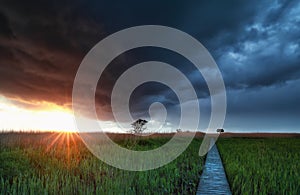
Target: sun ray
<point>68,148</point>
<point>54,141</point>
<point>73,139</point>
<point>67,142</point>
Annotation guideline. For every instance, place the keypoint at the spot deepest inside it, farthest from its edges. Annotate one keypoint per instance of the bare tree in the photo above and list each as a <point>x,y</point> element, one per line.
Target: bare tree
<point>138,126</point>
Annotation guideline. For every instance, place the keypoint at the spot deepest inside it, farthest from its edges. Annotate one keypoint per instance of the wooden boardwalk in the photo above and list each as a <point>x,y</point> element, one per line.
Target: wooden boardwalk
<point>213,179</point>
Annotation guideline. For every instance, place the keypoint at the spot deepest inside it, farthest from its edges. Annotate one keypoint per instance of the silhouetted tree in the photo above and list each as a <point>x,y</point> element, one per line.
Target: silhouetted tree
<point>138,126</point>
<point>220,130</point>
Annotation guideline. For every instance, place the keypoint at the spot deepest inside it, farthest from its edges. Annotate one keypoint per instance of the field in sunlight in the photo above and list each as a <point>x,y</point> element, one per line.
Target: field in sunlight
<point>56,163</point>
<point>261,165</point>
<point>59,163</point>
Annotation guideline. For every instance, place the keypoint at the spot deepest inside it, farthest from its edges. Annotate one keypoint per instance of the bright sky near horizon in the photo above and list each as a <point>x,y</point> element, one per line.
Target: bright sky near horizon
<point>51,117</point>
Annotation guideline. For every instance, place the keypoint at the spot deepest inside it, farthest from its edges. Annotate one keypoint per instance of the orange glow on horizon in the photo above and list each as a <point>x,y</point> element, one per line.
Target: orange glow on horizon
<point>44,116</point>
<point>49,117</point>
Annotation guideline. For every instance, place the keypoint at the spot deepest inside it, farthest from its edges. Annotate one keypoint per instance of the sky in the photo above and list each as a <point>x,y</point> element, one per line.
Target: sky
<point>256,45</point>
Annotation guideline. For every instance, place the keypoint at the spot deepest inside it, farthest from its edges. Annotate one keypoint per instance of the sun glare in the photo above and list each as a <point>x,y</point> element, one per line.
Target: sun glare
<point>52,118</point>
<point>45,116</point>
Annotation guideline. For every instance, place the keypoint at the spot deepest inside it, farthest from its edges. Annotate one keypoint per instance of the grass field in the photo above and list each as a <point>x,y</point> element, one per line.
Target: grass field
<point>52,163</point>
<point>59,163</point>
<point>261,165</point>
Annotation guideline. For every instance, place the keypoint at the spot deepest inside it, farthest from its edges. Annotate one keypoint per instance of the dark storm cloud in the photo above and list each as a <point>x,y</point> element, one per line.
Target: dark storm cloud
<point>5,28</point>
<point>264,52</point>
<point>259,60</point>
<point>255,43</point>
<point>42,49</point>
